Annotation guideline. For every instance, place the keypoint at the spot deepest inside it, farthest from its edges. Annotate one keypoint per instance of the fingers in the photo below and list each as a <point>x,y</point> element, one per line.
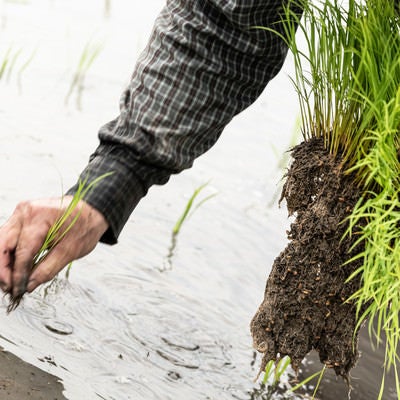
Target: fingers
<point>29,243</point>
<point>9,235</point>
<point>6,260</point>
<point>20,239</point>
<point>23,235</point>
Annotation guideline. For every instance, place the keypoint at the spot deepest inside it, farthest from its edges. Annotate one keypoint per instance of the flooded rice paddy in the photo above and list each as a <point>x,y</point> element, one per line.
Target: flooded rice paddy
<point>135,321</point>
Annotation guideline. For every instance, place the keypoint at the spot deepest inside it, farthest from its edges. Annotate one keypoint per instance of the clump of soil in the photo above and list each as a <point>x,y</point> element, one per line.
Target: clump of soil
<point>304,304</point>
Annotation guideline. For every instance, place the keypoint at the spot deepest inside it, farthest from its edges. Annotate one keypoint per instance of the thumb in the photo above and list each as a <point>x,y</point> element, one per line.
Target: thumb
<point>47,269</point>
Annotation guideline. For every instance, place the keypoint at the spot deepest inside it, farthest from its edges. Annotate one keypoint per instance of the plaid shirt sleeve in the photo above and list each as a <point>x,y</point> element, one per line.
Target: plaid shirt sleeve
<point>202,66</point>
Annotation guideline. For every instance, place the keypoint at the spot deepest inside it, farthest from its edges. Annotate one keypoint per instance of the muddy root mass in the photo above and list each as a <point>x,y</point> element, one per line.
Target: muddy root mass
<point>304,302</point>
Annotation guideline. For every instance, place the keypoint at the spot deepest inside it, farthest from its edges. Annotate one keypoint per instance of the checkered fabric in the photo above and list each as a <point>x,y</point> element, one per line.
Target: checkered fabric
<point>203,64</point>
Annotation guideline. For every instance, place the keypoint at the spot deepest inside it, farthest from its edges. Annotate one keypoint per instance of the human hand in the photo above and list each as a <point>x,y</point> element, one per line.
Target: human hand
<point>22,236</point>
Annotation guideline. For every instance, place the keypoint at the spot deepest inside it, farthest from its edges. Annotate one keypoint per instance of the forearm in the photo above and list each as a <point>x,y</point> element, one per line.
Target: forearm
<point>202,65</point>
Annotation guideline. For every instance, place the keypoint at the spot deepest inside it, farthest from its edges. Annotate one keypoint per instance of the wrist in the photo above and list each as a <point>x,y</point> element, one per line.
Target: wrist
<point>96,220</point>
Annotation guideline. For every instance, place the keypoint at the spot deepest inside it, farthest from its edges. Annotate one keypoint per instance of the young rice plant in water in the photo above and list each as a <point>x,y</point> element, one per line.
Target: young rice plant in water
<point>89,54</point>
<point>11,63</point>
<point>348,82</point>
<point>190,207</point>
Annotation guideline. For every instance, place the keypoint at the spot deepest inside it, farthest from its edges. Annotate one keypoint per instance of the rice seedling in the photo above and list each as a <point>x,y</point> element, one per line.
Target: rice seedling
<point>347,76</point>
<point>283,160</point>
<point>89,54</point>
<point>190,208</point>
<point>9,65</point>
<point>274,371</point>
<point>60,228</point>
<point>356,97</point>
<point>68,270</point>
<point>318,374</point>
<point>23,68</point>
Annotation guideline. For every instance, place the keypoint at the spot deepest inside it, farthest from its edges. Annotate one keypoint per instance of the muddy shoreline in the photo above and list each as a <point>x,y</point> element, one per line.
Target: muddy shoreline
<point>20,380</point>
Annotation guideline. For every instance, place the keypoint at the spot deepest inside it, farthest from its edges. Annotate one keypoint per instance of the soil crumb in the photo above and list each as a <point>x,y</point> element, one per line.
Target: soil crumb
<point>304,304</point>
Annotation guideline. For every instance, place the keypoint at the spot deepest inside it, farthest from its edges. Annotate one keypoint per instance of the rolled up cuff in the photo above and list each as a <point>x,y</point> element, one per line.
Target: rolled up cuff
<point>115,196</point>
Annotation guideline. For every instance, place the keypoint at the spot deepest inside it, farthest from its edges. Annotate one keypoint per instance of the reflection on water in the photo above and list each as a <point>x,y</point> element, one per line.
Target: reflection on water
<point>119,328</point>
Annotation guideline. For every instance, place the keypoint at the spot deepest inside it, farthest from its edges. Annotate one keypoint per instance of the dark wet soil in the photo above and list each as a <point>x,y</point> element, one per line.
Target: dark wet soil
<point>20,381</point>
<point>304,306</point>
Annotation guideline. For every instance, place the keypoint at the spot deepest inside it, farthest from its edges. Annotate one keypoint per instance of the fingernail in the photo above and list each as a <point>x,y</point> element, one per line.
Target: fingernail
<point>31,285</point>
